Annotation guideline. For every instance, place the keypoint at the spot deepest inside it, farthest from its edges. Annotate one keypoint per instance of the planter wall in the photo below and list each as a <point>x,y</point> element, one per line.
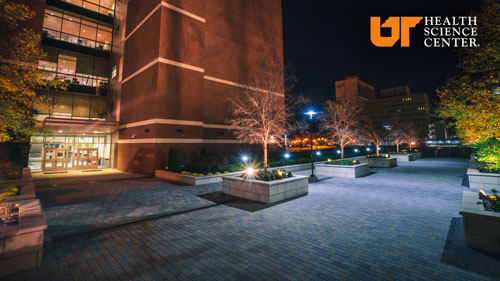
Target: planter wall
<point>189,179</point>
<point>486,181</point>
<point>27,192</point>
<point>417,155</point>
<point>265,191</point>
<point>342,171</point>
<point>481,228</point>
<point>26,177</point>
<point>403,157</point>
<point>21,245</point>
<point>379,162</point>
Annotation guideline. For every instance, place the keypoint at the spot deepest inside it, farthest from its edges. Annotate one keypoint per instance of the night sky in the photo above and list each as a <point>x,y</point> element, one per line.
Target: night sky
<point>329,40</point>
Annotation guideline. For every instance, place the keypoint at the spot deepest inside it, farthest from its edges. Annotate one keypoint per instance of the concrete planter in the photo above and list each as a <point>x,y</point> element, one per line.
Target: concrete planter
<point>26,177</point>
<point>21,245</point>
<point>417,155</point>
<point>486,181</point>
<point>265,191</point>
<point>379,162</point>
<point>27,192</point>
<point>481,228</point>
<point>403,157</point>
<point>342,171</point>
<point>189,179</point>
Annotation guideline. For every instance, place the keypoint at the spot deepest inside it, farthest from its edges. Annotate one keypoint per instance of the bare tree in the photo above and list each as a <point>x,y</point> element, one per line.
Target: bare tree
<point>411,135</point>
<point>398,132</point>
<point>298,128</point>
<point>341,120</point>
<point>373,126</point>
<point>259,114</point>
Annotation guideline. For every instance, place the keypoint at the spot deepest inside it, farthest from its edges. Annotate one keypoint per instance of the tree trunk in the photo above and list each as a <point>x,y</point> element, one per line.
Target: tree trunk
<point>265,157</point>
<point>397,146</point>
<point>342,151</point>
<point>376,147</point>
<point>410,146</point>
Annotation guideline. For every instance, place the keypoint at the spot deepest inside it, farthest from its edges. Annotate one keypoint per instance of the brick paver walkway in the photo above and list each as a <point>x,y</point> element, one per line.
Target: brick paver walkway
<point>396,224</point>
<point>74,207</point>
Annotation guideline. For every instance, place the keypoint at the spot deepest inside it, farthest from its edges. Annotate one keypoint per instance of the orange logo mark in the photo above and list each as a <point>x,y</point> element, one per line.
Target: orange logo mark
<point>400,28</point>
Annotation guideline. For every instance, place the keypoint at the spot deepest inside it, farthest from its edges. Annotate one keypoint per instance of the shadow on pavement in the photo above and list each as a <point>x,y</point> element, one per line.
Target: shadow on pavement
<point>457,254</point>
<point>239,203</point>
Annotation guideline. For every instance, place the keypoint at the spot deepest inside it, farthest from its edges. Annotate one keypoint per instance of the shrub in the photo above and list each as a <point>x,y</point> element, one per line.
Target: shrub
<point>489,152</point>
<point>173,159</point>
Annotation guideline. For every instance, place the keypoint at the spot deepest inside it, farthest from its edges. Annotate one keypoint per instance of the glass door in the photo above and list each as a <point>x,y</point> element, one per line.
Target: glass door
<point>55,160</point>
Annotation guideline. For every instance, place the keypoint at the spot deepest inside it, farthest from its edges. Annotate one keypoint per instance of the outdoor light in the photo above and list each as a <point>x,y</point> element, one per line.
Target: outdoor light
<point>379,148</point>
<point>244,158</point>
<point>318,153</point>
<point>412,143</point>
<point>367,149</point>
<point>250,171</point>
<point>356,150</point>
<point>338,151</point>
<point>287,155</point>
<point>311,113</point>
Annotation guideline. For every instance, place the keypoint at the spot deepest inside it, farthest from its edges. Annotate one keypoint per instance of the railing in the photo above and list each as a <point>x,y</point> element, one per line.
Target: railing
<point>49,33</point>
<point>72,105</point>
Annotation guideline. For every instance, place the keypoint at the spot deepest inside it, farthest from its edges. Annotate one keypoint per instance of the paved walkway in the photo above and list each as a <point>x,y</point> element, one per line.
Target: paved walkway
<point>395,224</point>
<point>77,206</point>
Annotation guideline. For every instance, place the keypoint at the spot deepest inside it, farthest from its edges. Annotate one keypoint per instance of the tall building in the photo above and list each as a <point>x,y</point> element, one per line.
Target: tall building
<point>145,76</point>
<point>399,103</point>
<point>354,87</point>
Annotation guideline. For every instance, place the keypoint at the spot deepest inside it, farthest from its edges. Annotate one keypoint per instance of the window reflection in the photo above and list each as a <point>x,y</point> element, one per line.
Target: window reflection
<point>105,7</point>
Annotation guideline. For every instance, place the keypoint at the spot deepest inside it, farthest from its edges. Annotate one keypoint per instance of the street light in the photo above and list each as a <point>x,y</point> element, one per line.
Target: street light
<point>244,158</point>
<point>311,114</point>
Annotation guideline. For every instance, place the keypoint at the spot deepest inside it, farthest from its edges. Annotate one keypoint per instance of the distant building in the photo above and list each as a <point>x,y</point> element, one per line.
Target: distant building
<point>354,87</point>
<point>438,131</point>
<point>400,104</point>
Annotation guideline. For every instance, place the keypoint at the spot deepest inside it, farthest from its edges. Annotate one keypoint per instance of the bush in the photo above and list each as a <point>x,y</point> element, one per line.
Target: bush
<point>173,159</point>
<point>489,152</point>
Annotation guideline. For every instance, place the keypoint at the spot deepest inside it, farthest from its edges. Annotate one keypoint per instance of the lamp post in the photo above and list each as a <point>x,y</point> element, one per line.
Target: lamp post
<point>311,114</point>
<point>287,156</point>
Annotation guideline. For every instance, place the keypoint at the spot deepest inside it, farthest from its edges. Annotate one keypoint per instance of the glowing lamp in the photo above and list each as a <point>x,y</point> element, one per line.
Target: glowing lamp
<point>244,158</point>
<point>412,143</point>
<point>311,113</point>
<point>356,150</point>
<point>338,151</point>
<point>287,155</point>
<point>250,171</point>
<point>367,149</point>
<point>318,153</point>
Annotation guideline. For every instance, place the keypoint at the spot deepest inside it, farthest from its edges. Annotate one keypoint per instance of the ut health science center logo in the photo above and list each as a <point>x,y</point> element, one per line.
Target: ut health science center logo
<point>438,32</point>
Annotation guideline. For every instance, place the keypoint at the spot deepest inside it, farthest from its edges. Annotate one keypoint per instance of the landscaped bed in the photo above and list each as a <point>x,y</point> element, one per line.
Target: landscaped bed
<point>481,220</point>
<point>21,236</point>
<point>342,169</point>
<point>267,187</point>
<point>19,191</point>
<point>379,161</point>
<point>403,156</point>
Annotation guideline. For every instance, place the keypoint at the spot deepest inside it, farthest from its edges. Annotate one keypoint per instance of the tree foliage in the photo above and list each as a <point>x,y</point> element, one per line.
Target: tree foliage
<point>471,101</point>
<point>20,52</point>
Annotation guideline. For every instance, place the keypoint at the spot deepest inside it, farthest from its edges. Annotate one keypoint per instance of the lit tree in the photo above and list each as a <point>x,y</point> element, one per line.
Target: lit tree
<point>471,102</point>
<point>298,128</point>
<point>373,126</point>
<point>20,52</point>
<point>410,136</point>
<point>398,133</point>
<point>259,114</point>
<point>340,121</point>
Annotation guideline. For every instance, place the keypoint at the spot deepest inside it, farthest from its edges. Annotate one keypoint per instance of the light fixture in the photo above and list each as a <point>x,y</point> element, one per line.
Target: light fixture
<point>367,149</point>
<point>318,153</point>
<point>356,150</point>
<point>338,151</point>
<point>287,155</point>
<point>250,171</point>
<point>311,113</point>
<point>60,131</point>
<point>244,158</point>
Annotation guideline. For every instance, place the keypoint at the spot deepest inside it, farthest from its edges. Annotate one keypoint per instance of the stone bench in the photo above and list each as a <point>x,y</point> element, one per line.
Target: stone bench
<point>342,171</point>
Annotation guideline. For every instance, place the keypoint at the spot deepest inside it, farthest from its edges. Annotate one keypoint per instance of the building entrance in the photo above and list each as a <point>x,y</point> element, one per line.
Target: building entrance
<point>55,160</point>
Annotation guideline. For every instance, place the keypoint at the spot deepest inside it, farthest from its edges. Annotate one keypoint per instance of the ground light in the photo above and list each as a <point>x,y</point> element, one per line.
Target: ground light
<point>287,156</point>
<point>367,149</point>
<point>338,151</point>
<point>356,150</point>
<point>244,158</point>
<point>318,153</point>
<point>250,171</point>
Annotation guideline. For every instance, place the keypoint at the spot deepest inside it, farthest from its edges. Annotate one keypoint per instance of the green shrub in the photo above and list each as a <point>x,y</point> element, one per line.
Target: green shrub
<point>489,152</point>
<point>173,159</point>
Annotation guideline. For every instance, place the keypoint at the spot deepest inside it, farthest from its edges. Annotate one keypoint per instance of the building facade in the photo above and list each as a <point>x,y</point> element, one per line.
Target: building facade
<point>352,87</point>
<point>145,76</point>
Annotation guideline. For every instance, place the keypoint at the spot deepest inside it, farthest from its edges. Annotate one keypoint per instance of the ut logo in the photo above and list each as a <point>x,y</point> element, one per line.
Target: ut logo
<point>400,28</point>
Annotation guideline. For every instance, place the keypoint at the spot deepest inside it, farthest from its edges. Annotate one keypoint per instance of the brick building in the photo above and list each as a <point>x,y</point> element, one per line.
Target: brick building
<point>145,76</point>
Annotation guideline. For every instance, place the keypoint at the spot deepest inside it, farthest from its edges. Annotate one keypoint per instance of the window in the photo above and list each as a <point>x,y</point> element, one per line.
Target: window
<point>113,72</point>
<point>105,7</point>
<point>75,68</point>
<point>76,29</point>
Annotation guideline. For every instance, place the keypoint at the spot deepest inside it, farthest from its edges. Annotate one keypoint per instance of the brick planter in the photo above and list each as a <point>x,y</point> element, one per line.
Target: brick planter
<point>265,191</point>
<point>486,181</point>
<point>27,192</point>
<point>379,162</point>
<point>403,157</point>
<point>417,155</point>
<point>21,245</point>
<point>481,228</point>
<point>26,177</point>
<point>342,171</point>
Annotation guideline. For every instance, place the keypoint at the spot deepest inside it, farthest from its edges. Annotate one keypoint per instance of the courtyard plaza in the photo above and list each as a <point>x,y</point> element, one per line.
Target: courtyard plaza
<point>401,223</point>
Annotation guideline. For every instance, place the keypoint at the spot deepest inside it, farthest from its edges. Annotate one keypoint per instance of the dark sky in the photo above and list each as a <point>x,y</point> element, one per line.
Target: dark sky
<point>329,40</point>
